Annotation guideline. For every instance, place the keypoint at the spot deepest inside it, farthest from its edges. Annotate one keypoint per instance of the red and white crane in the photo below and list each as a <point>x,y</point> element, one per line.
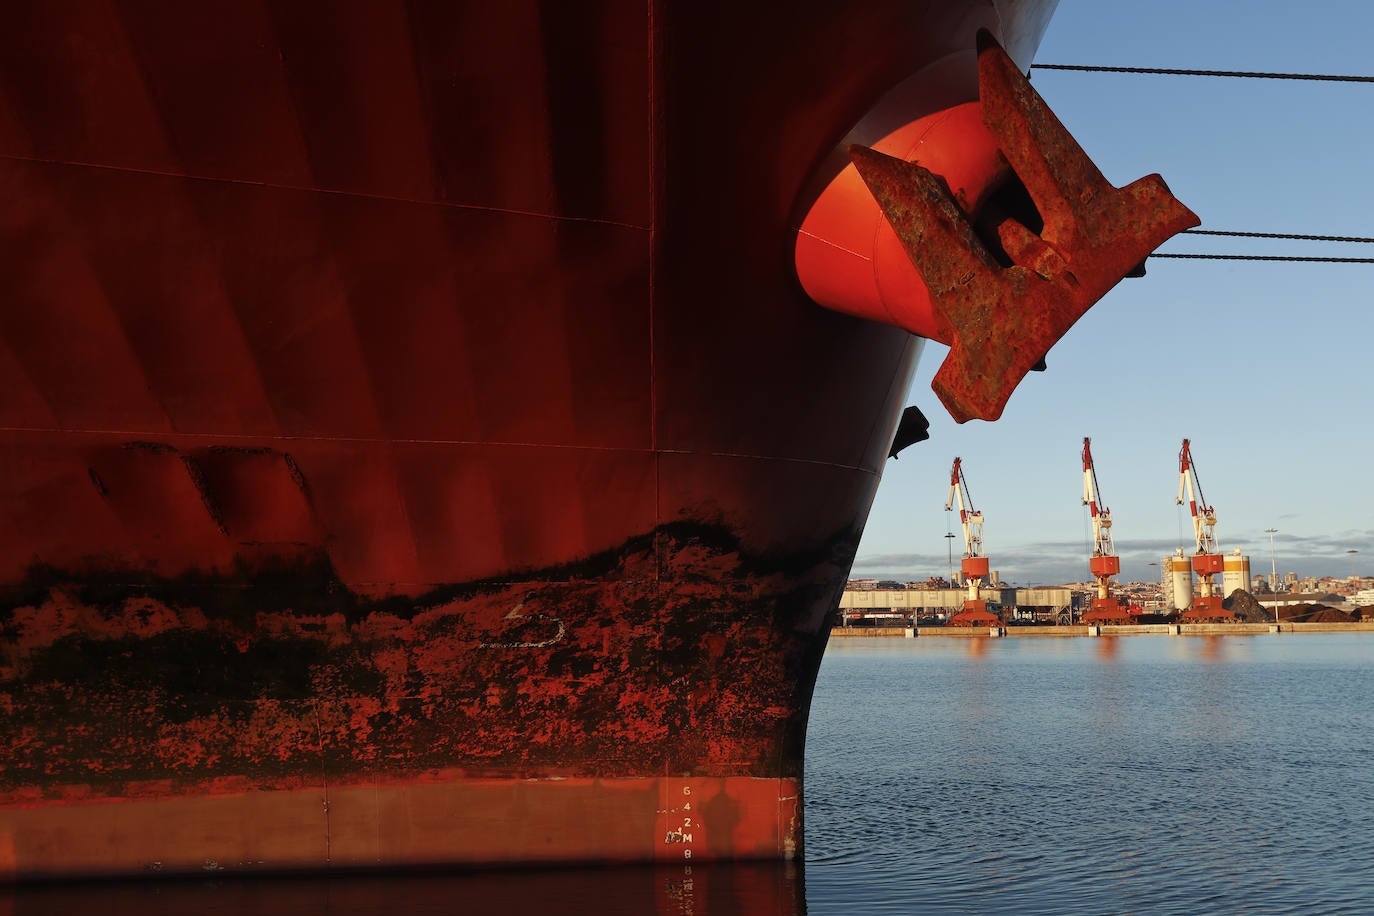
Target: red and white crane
<point>975,564</point>
<point>1104,562</point>
<point>1207,560</point>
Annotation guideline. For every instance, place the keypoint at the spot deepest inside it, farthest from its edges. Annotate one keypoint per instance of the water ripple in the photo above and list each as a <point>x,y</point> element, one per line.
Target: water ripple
<point>1049,779</point>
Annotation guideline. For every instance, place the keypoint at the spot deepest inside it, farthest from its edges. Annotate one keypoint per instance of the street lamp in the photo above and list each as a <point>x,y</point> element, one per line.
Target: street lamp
<point>1352,562</point>
<point>1273,572</point>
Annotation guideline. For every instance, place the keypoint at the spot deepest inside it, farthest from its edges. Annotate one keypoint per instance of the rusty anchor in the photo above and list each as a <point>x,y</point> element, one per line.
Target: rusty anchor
<point>1000,320</point>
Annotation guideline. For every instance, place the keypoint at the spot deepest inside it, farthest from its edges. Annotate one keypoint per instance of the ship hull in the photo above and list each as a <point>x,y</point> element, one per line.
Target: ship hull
<point>417,449</point>
<point>440,821</point>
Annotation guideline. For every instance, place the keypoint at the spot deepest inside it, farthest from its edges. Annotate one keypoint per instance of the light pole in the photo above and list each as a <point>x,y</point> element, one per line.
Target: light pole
<point>949,544</point>
<point>1352,563</point>
<point>1273,572</point>
<point>949,549</point>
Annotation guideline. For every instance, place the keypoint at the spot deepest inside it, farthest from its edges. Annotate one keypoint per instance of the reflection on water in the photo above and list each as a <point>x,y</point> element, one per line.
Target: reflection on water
<point>1146,774</point>
<point>773,889</point>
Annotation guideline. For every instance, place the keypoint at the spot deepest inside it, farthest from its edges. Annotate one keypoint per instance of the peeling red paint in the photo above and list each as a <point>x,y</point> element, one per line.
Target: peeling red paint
<point>683,658</point>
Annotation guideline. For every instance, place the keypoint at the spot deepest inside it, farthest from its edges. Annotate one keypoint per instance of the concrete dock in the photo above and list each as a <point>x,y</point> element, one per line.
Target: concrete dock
<point>1147,629</point>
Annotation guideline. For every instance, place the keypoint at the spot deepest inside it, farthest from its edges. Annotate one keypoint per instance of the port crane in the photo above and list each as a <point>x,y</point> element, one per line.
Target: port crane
<point>1207,560</point>
<point>1104,563</point>
<point>975,564</point>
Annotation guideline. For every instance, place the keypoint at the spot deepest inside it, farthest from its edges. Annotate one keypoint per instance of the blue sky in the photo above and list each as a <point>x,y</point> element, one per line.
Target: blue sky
<point>1267,368</point>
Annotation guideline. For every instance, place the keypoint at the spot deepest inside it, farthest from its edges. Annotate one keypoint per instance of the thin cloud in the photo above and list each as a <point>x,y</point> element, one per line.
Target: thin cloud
<point>1059,561</point>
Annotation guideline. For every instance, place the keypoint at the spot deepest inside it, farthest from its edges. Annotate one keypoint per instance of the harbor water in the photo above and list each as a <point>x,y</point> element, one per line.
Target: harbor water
<point>1148,774</point>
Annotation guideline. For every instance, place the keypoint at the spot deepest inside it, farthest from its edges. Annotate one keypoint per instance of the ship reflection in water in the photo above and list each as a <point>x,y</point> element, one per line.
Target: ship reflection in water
<point>769,889</point>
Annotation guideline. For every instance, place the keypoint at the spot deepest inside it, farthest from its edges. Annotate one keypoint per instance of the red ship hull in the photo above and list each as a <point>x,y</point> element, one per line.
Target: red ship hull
<point>415,446</point>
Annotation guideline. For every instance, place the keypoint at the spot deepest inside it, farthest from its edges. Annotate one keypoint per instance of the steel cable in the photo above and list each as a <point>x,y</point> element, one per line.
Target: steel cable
<point>1243,74</point>
<point>1263,257</point>
<point>1283,235</point>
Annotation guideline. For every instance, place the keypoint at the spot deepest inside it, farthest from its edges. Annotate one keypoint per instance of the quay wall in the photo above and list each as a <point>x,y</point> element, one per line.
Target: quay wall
<point>1151,629</point>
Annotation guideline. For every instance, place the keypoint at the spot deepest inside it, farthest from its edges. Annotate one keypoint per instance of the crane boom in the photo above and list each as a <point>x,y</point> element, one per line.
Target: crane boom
<point>970,518</point>
<point>1104,562</point>
<point>1101,515</point>
<point>974,565</point>
<point>1207,560</point>
<point>1204,517</point>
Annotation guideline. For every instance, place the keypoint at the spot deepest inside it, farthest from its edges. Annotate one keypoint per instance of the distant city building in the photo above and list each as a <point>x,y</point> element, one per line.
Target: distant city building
<point>904,606</point>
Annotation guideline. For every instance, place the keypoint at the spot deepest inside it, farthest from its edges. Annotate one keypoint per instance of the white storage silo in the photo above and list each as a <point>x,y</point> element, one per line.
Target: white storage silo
<point>1235,573</point>
<point>1178,581</point>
